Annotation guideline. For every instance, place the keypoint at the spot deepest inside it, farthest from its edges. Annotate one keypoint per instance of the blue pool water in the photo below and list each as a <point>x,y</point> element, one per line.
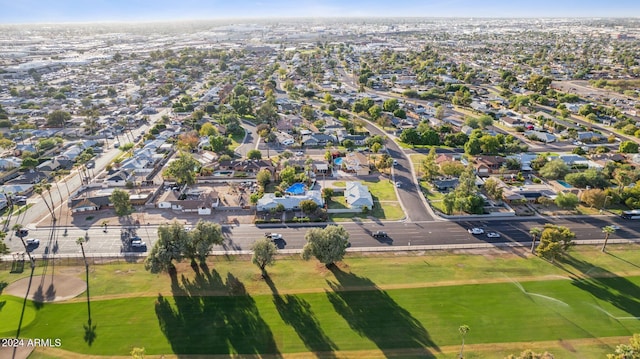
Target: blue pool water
<point>296,188</point>
<point>564,184</point>
<point>338,161</point>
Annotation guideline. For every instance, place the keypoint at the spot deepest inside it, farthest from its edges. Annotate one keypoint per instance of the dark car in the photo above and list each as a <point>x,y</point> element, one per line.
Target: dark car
<point>379,234</point>
<point>22,232</point>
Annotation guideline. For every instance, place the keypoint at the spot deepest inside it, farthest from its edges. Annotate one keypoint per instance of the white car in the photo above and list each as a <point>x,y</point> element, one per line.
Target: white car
<point>398,184</point>
<point>32,241</point>
<point>493,235</point>
<point>273,236</point>
<point>615,226</point>
<point>475,230</point>
<point>138,244</point>
<point>299,153</point>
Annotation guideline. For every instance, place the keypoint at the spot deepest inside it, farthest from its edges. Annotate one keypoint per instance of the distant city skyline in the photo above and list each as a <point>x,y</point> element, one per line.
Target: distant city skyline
<point>38,11</point>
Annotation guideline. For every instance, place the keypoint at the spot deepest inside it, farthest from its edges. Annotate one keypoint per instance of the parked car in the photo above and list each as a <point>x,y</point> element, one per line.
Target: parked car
<point>615,226</point>
<point>475,230</point>
<point>493,235</point>
<point>299,153</point>
<point>273,236</point>
<point>379,234</point>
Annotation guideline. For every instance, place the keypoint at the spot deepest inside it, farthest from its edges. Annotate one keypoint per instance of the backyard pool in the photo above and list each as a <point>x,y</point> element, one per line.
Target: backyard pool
<point>223,173</point>
<point>296,188</point>
<point>338,161</point>
<point>564,184</point>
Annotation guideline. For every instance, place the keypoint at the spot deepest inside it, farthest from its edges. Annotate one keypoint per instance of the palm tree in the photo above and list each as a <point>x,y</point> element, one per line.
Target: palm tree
<point>463,329</point>
<point>39,189</point>
<point>47,186</point>
<point>535,233</point>
<point>607,230</point>
<point>21,234</point>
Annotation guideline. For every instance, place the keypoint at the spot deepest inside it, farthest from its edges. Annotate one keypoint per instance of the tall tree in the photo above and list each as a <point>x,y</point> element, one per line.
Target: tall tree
<point>182,169</point>
<point>169,247</point>
<point>264,253</point>
<point>463,330</point>
<point>201,240</point>
<point>429,165</point>
<point>607,230</point>
<point>39,188</point>
<point>58,118</point>
<point>554,241</point>
<point>328,245</point>
<point>121,202</point>
<point>4,249</point>
<point>535,232</point>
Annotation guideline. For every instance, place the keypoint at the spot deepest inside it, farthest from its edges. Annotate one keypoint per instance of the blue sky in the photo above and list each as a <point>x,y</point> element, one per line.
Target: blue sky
<point>30,11</point>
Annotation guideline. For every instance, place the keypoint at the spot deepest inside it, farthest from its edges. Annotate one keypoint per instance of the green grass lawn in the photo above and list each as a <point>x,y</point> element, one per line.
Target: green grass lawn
<point>236,140</point>
<point>386,205</point>
<point>337,202</point>
<point>374,302</point>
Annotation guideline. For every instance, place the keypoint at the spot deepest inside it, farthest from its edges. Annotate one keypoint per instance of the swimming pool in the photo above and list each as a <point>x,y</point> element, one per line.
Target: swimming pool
<point>296,188</point>
<point>564,184</point>
<point>338,161</point>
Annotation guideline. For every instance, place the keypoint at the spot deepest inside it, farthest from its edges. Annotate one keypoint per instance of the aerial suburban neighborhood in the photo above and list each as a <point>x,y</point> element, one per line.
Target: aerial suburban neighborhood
<point>188,148</point>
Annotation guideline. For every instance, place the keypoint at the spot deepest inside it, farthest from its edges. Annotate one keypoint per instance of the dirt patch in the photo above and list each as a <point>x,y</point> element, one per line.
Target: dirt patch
<point>47,288</point>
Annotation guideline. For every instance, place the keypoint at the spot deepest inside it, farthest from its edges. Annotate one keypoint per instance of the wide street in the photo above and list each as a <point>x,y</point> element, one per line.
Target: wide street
<point>401,234</point>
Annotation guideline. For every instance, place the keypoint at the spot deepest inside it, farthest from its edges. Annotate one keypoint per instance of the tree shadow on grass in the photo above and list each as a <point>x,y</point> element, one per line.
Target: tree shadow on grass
<point>606,286</point>
<point>297,313</point>
<point>90,334</point>
<point>209,315</point>
<point>374,314</point>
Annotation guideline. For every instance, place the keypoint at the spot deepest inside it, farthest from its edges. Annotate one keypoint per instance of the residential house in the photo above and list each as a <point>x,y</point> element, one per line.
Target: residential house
<point>10,163</point>
<point>357,163</point>
<point>24,147</point>
<point>571,160</point>
<point>54,165</point>
<point>487,165</point>
<point>247,166</point>
<point>358,196</point>
<point>445,184</point>
<point>542,136</point>
<point>118,178</point>
<point>90,202</point>
<point>270,201</point>
<point>511,122</point>
<point>71,153</point>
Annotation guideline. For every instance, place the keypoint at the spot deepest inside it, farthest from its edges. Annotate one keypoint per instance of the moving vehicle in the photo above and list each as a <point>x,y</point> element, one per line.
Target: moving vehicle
<point>273,236</point>
<point>299,153</point>
<point>398,184</point>
<point>475,230</point>
<point>379,234</point>
<point>138,244</point>
<point>633,214</point>
<point>615,226</point>
<point>493,235</point>
<point>32,242</point>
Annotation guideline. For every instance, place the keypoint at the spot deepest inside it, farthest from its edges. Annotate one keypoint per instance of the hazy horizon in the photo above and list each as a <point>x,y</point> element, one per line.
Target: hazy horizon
<point>82,11</point>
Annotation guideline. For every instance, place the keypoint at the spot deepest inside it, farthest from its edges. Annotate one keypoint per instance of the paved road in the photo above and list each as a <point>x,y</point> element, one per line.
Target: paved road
<point>401,234</point>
